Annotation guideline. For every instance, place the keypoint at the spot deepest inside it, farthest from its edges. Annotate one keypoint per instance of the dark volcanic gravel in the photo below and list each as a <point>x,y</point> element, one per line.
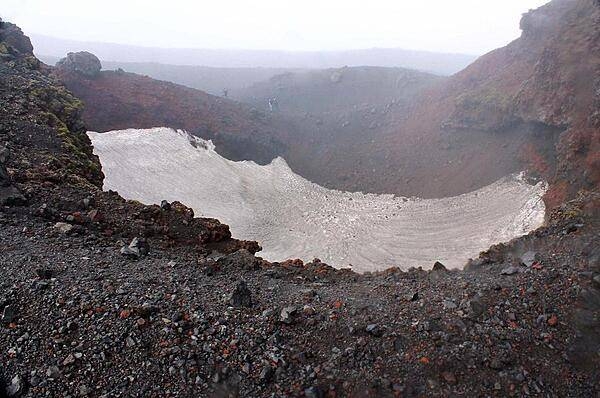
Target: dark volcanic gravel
<point>163,325</point>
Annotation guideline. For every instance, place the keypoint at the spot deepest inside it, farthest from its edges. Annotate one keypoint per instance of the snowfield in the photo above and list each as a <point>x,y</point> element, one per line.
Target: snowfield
<point>293,218</point>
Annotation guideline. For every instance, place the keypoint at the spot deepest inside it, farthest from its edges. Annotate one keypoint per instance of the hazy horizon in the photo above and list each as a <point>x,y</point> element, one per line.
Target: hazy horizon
<point>37,36</point>
<point>461,27</point>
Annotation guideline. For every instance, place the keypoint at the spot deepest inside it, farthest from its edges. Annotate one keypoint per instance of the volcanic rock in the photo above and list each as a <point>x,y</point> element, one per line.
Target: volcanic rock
<point>13,38</point>
<point>137,248</point>
<point>16,387</point>
<point>83,62</point>
<point>528,258</point>
<point>509,270</point>
<point>374,330</point>
<point>439,267</point>
<point>240,259</point>
<point>9,314</point>
<point>313,392</point>
<point>288,314</point>
<point>241,296</point>
<point>266,374</point>
<point>64,227</point>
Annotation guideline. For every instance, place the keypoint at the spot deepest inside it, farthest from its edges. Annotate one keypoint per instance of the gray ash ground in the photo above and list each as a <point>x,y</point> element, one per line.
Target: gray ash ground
<point>89,321</point>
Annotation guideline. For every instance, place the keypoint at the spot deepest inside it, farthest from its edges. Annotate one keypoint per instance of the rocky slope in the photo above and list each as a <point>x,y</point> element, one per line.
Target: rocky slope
<point>118,100</point>
<point>318,112</point>
<point>337,91</point>
<point>345,108</point>
<point>533,103</point>
<point>212,80</point>
<point>188,311</point>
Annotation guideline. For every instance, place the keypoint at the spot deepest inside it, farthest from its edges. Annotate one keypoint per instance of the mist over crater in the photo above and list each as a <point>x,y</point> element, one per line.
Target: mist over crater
<point>292,217</point>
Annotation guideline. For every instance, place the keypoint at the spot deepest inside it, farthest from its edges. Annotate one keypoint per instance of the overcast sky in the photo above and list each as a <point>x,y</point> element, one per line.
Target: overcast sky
<point>464,26</point>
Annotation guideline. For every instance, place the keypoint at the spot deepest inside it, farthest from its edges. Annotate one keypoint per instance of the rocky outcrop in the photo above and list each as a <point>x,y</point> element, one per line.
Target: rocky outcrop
<point>546,79</point>
<point>14,42</point>
<point>118,100</point>
<point>83,62</point>
<point>528,105</point>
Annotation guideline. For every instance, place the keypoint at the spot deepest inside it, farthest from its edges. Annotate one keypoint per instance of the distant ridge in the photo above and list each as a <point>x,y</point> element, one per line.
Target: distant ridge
<point>438,63</point>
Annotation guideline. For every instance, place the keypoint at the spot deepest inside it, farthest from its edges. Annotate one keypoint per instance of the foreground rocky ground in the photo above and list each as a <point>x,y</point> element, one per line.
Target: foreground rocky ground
<point>104,297</point>
<point>82,319</point>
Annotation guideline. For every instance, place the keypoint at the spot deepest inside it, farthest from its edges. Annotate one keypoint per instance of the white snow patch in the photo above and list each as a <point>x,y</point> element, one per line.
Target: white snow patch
<point>292,217</point>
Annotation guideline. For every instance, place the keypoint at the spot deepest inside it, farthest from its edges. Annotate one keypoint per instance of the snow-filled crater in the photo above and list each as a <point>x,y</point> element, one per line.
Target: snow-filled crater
<point>292,217</point>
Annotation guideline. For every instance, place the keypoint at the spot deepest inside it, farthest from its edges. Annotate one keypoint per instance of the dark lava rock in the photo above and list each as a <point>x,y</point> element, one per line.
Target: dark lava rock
<point>4,177</point>
<point>528,258</point>
<point>53,372</point>
<point>11,196</point>
<point>313,392</point>
<point>596,281</point>
<point>164,205</point>
<point>240,259</point>
<point>287,315</point>
<point>241,296</point>
<point>399,344</point>
<point>509,270</point>
<point>475,264</point>
<point>44,273</point>
<point>141,245</point>
<point>16,387</point>
<point>412,296</point>
<point>128,252</point>
<point>439,267</point>
<point>374,330</point>
<point>476,307</point>
<point>81,62</point>
<point>9,314</point>
<point>266,374</point>
<point>137,248</point>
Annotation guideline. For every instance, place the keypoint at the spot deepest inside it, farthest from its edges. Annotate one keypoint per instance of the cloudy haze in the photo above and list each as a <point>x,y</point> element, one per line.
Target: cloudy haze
<point>462,26</point>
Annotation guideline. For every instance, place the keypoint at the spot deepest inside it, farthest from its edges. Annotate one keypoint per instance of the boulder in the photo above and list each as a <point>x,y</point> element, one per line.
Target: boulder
<point>9,194</point>
<point>63,227</point>
<point>529,258</point>
<point>241,296</point>
<point>4,177</point>
<point>83,62</point>
<point>9,314</point>
<point>288,314</point>
<point>439,267</point>
<point>137,248</point>
<point>16,387</point>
